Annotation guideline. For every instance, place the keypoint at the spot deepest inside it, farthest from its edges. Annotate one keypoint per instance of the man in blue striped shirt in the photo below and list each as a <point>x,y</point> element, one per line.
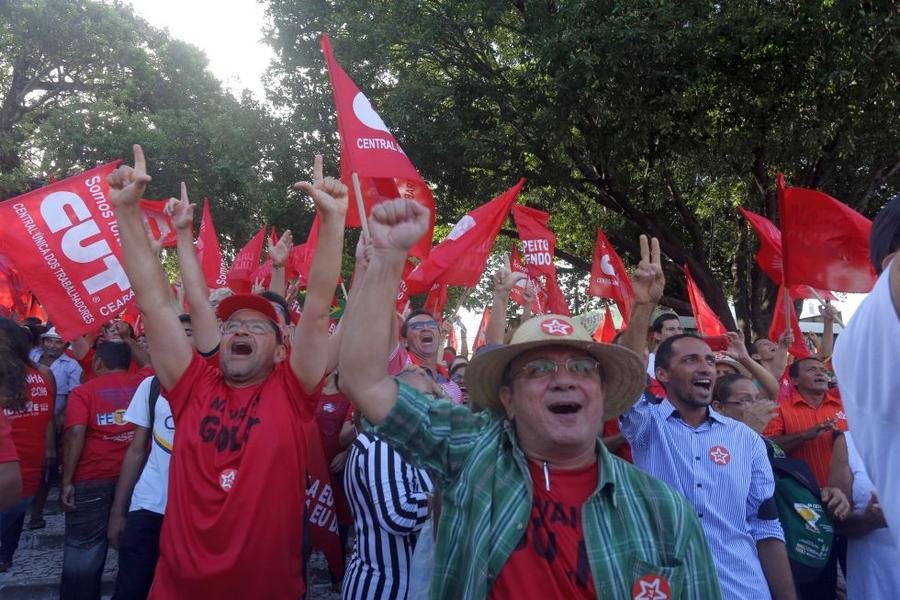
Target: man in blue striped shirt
<point>718,463</point>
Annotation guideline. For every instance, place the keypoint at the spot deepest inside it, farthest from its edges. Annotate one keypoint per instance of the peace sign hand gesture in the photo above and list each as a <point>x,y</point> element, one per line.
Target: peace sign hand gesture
<point>648,280</point>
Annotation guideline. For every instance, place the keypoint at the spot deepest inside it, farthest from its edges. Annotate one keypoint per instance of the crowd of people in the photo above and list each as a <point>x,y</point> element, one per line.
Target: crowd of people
<point>545,465</point>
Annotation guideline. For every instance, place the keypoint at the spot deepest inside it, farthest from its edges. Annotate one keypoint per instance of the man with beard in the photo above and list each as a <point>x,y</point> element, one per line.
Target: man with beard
<point>719,464</point>
<point>237,479</point>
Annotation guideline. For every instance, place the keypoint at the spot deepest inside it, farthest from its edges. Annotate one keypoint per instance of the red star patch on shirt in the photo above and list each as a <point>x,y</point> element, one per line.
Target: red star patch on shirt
<point>651,587</point>
<point>557,327</point>
<point>720,455</point>
<point>227,478</point>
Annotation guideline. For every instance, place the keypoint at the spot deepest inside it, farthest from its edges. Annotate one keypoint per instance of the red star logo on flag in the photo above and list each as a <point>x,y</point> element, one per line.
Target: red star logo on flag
<point>557,327</point>
<point>720,455</point>
<point>651,587</point>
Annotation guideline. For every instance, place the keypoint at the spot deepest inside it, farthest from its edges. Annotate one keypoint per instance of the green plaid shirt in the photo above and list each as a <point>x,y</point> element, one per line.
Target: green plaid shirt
<point>634,525</point>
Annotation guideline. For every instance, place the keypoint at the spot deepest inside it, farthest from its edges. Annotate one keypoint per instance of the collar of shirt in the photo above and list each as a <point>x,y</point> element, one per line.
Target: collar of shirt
<point>798,399</point>
<point>668,410</point>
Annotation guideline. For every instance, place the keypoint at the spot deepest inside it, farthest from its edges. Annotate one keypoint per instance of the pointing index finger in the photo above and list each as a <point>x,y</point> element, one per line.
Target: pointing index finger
<point>184,194</point>
<point>317,169</point>
<point>140,163</point>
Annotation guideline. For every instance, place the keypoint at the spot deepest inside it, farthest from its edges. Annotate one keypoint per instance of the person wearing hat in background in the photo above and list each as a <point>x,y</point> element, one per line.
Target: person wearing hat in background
<point>719,464</point>
<point>67,372</point>
<point>532,500</point>
<point>866,360</point>
<point>237,477</point>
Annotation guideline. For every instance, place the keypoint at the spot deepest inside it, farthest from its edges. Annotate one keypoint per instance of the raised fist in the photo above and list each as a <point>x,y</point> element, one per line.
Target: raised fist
<point>397,225</point>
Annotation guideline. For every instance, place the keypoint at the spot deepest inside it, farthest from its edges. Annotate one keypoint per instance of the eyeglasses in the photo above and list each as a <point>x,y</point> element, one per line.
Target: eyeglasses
<point>416,325</point>
<point>254,326</point>
<point>542,367</point>
<point>743,400</point>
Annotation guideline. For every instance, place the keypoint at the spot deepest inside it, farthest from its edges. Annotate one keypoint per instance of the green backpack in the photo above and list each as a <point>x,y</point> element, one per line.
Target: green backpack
<point>808,528</point>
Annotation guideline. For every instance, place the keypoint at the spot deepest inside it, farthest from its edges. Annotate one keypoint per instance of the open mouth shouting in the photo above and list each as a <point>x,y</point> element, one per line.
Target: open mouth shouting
<point>241,347</point>
<point>564,407</point>
<point>703,384</point>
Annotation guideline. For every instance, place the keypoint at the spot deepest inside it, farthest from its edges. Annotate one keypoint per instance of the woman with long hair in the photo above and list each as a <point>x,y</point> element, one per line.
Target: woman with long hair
<point>27,394</point>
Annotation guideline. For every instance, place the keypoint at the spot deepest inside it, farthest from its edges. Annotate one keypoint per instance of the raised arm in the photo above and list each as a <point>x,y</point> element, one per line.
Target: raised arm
<point>171,349</point>
<point>829,315</point>
<point>648,283</point>
<point>203,318</point>
<point>363,253</point>
<point>737,350</point>
<point>504,281</point>
<point>279,253</point>
<point>395,227</point>
<point>780,361</point>
<point>309,344</point>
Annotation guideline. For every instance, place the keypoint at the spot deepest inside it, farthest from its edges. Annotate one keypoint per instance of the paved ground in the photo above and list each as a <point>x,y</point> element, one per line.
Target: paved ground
<point>37,565</point>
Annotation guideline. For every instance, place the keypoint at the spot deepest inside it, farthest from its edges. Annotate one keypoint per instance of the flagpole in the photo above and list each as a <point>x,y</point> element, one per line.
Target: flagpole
<point>787,308</point>
<point>360,206</point>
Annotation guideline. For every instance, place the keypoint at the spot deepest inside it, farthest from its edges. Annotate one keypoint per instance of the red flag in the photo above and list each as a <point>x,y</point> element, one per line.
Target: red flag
<point>480,339</point>
<point>769,256</point>
<point>538,246</point>
<point>158,222</point>
<point>436,300</point>
<point>302,256</point>
<point>240,277</point>
<point>606,331</point>
<point>320,503</point>
<point>460,258</point>
<point>208,252</point>
<point>452,340</point>
<point>64,242</point>
<point>15,296</point>
<point>825,243</point>
<point>403,289</point>
<point>517,294</point>
<point>264,272</point>
<point>707,321</point>
<point>798,349</point>
<point>609,279</point>
<point>369,150</point>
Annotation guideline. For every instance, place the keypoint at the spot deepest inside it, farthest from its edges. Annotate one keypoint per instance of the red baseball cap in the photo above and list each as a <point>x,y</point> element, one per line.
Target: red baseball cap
<point>230,305</point>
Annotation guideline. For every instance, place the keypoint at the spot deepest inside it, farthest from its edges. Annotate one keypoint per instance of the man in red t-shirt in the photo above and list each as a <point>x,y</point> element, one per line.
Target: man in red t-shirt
<point>237,478</point>
<point>95,438</point>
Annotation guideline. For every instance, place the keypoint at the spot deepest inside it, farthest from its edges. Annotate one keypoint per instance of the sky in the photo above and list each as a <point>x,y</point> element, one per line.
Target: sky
<point>230,33</point>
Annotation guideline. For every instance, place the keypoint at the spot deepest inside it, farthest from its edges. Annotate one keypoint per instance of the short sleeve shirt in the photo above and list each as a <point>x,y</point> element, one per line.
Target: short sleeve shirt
<point>151,490</point>
<point>237,487</point>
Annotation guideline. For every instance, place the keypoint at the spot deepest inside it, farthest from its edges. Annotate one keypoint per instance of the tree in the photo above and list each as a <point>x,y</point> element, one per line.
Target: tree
<point>82,81</point>
<point>636,116</point>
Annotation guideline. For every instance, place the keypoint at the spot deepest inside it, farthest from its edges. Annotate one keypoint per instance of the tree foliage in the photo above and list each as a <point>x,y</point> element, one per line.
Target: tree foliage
<point>80,81</point>
<point>639,117</point>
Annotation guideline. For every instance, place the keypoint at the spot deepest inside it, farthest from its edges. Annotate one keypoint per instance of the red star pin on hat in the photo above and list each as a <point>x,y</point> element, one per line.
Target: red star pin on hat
<point>720,455</point>
<point>556,327</point>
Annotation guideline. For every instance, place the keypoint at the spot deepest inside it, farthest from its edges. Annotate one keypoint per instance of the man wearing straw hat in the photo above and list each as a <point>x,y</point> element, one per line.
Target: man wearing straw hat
<point>531,498</point>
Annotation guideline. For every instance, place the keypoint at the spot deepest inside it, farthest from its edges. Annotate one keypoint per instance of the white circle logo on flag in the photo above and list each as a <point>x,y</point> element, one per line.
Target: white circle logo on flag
<point>606,266</point>
<point>363,110</point>
<point>461,227</point>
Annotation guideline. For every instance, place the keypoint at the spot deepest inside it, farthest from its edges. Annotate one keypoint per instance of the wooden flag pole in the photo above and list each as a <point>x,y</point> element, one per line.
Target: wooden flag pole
<point>360,206</point>
<point>787,308</point>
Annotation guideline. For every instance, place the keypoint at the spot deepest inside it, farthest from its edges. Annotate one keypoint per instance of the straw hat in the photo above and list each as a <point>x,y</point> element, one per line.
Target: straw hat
<point>727,360</point>
<point>624,374</point>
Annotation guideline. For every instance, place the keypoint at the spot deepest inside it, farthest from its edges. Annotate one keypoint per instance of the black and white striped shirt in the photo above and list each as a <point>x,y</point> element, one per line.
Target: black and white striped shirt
<point>389,500</point>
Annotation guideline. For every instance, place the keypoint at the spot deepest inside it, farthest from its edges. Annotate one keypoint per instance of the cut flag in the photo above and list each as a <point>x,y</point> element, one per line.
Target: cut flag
<point>609,279</point>
<point>209,254</point>
<point>369,150</point>
<point>768,257</point>
<point>799,349</point>
<point>240,276</point>
<point>707,321</point>
<point>606,331</point>
<point>460,258</point>
<point>538,246</point>
<point>825,243</point>
<point>64,242</point>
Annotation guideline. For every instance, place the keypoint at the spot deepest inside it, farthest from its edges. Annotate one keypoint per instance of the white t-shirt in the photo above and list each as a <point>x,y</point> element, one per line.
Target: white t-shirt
<point>867,363</point>
<point>152,488</point>
<point>873,560</point>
